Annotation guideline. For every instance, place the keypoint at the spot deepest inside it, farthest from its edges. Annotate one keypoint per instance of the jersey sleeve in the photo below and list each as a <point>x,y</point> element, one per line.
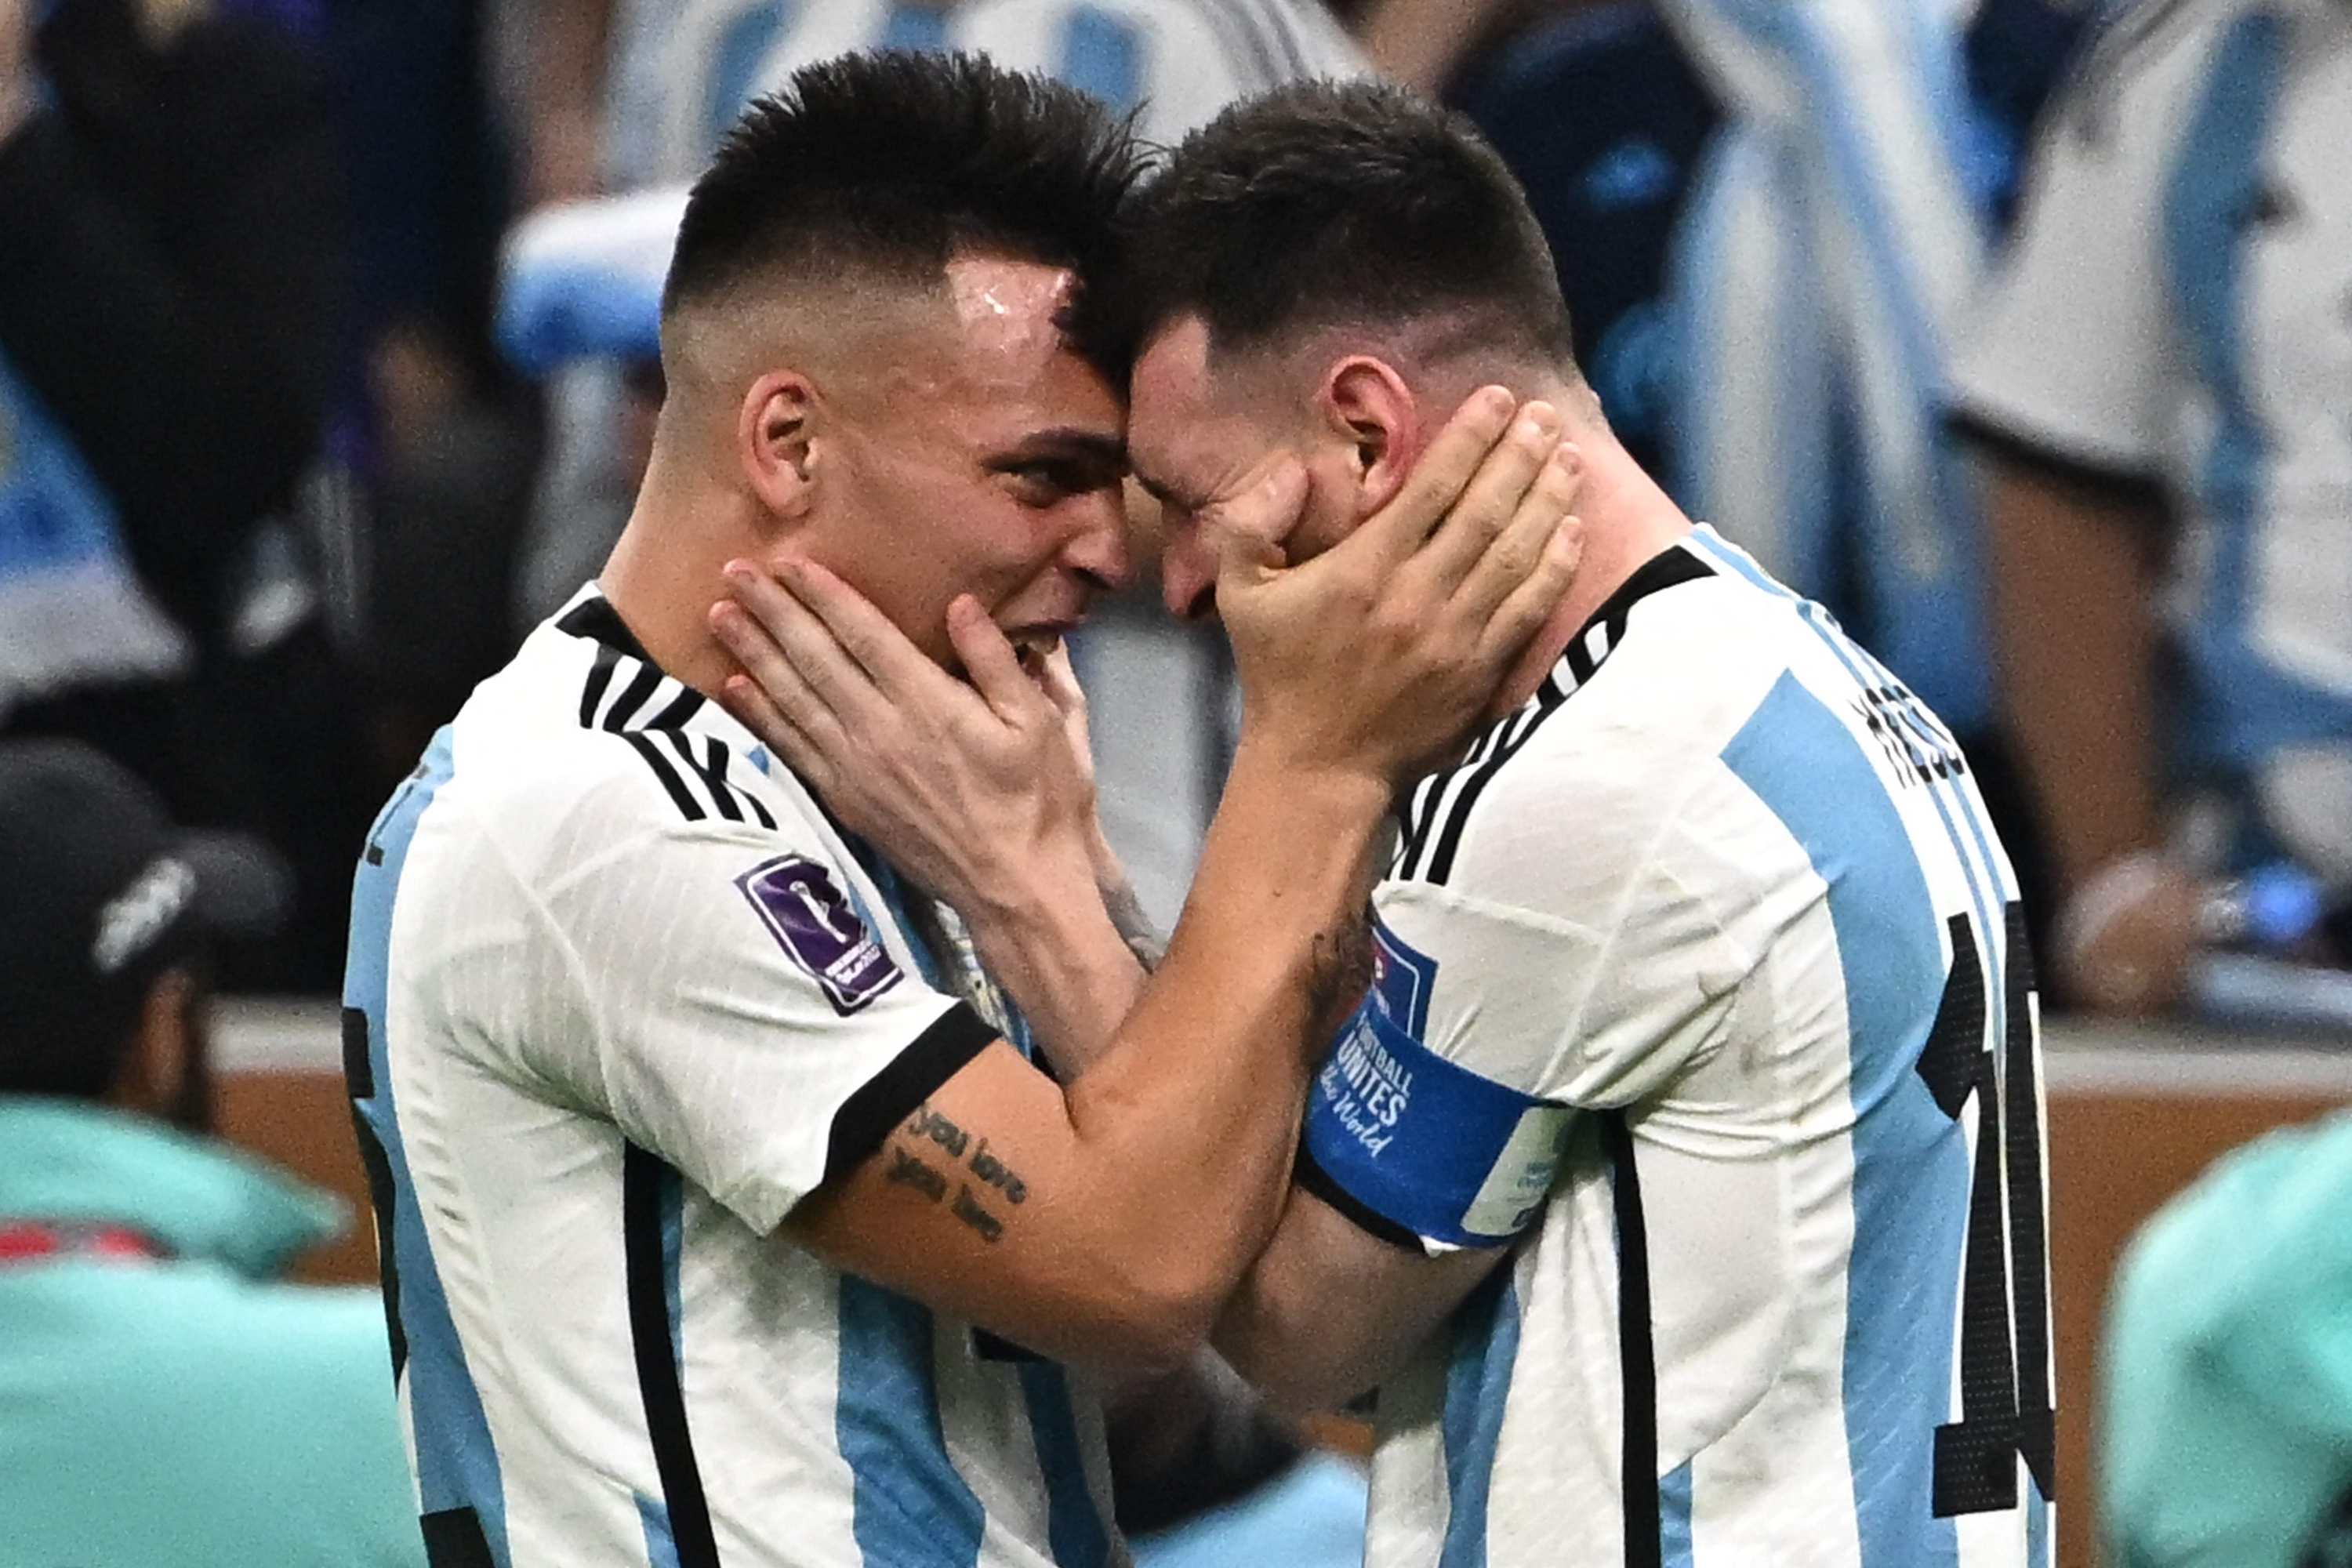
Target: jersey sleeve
<point>2072,352</point>
<point>742,1013</point>
<point>1441,1111</point>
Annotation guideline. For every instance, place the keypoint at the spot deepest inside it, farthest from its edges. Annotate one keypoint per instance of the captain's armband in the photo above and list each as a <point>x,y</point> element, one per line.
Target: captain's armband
<point>1416,1149</point>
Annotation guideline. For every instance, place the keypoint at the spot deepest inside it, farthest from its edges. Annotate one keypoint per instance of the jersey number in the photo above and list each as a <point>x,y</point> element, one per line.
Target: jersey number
<point>2006,1410</point>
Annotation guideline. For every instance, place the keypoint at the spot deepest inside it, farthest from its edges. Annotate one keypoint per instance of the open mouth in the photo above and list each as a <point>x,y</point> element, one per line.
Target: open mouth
<point>1033,646</point>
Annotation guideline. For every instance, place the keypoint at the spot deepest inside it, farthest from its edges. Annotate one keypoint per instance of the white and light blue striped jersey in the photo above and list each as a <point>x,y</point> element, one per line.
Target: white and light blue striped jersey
<point>2177,310</point>
<point>684,70</point>
<point>619,995</point>
<point>1726,888</point>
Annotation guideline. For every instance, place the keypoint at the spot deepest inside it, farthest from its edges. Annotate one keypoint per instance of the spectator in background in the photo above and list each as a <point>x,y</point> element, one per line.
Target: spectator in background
<point>2162,381</point>
<point>166,1405</point>
<point>169,284</point>
<point>2226,1375</point>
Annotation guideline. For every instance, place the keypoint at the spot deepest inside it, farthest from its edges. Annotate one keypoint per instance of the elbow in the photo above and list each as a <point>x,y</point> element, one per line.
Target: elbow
<point>1161,1315</point>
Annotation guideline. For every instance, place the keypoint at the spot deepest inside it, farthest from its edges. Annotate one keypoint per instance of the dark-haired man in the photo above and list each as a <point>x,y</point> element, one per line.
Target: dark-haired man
<point>715,1202</point>
<point>1700,977</point>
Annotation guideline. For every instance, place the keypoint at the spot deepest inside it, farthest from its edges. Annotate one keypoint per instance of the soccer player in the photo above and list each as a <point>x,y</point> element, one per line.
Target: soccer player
<point>1678,1184</point>
<point>723,1215</point>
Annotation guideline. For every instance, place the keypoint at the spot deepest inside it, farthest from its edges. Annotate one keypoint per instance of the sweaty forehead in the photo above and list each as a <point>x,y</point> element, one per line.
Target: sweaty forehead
<point>1010,307</point>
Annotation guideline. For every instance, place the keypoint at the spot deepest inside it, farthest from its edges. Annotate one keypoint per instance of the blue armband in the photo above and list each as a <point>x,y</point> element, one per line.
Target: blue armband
<point>1425,1146</point>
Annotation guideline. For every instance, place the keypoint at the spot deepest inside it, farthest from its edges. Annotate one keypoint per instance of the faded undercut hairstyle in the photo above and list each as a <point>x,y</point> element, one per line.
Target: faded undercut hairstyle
<point>1331,204</point>
<point>882,167</point>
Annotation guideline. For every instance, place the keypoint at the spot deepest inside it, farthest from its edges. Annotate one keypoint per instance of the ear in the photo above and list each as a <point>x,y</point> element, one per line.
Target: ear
<point>775,437</point>
<point>1367,406</point>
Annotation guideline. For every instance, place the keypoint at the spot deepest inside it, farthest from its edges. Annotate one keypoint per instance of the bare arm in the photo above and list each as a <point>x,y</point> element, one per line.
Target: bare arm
<point>1328,1310</point>
<point>2075,570</point>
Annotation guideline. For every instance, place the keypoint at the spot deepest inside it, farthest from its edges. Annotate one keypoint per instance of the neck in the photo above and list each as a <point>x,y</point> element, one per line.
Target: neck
<point>1627,520</point>
<point>664,573</point>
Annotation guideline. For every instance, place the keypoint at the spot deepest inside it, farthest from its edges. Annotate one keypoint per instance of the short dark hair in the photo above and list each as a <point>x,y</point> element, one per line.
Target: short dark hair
<point>1328,203</point>
<point>890,164</point>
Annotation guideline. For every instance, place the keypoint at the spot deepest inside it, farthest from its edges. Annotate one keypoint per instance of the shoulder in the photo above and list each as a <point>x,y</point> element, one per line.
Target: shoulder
<point>1563,805</point>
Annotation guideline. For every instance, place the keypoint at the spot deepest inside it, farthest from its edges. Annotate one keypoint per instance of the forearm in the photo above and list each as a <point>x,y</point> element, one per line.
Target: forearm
<point>1271,955</point>
<point>1068,967</point>
<point>1326,1312</point>
<point>2076,625</point>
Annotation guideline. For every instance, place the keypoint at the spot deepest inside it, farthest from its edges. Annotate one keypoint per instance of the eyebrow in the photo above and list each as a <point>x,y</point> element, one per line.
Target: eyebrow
<point>1069,444</point>
<point>1166,494</point>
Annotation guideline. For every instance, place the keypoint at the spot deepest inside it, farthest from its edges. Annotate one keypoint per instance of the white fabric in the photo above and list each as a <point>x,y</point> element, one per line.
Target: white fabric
<point>1629,927</point>
<point>572,965</point>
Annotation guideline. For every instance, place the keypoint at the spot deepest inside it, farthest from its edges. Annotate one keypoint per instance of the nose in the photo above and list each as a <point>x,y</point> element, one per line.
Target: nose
<point>1099,549</point>
<point>1188,573</point>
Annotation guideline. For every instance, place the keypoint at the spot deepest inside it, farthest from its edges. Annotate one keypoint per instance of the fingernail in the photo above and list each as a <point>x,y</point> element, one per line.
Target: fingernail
<point>1567,459</point>
<point>1496,400</point>
<point>1540,419</point>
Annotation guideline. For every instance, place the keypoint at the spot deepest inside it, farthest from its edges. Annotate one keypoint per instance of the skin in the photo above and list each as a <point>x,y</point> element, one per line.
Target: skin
<point>937,457</point>
<point>1326,1310</point>
<point>2075,575</point>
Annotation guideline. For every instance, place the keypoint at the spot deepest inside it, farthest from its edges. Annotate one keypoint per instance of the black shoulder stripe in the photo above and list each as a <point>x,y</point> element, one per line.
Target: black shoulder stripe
<point>634,696</point>
<point>666,772</point>
<point>1432,859</point>
<point>677,709</point>
<point>600,677</point>
<point>907,1080</point>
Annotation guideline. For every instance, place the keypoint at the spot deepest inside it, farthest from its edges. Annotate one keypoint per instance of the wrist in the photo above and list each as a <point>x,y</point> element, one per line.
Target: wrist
<point>1344,793</point>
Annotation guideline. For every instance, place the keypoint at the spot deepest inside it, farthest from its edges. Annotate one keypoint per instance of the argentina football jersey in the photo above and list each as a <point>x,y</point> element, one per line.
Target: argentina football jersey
<point>1708,950</point>
<point>619,995</point>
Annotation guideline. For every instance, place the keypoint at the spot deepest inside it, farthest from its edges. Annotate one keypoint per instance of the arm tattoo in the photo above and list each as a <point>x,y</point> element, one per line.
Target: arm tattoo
<point>988,1169</point>
<point>908,1171</point>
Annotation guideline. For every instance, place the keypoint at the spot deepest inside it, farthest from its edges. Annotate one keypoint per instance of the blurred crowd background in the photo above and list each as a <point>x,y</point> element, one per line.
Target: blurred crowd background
<point>2016,332</point>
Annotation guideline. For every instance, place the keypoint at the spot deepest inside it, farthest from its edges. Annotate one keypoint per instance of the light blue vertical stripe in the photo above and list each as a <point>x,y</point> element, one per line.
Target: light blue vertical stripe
<point>661,1546</point>
<point>1675,1517</point>
<point>457,1464</point>
<point>1911,1165</point>
<point>910,1508</point>
<point>1074,1525</point>
<point>1103,54</point>
<point>1477,1380</point>
<point>735,59</point>
<point>673,1239</point>
<point>919,28</point>
<point>2219,176</point>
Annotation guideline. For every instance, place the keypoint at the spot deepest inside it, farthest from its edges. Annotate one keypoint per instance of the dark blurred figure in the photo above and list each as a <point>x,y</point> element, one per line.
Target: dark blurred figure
<point>166,1406</point>
<point>171,278</point>
<point>451,436</point>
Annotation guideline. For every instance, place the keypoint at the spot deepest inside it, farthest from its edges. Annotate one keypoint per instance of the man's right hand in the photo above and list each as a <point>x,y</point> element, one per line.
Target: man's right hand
<point>1376,657</point>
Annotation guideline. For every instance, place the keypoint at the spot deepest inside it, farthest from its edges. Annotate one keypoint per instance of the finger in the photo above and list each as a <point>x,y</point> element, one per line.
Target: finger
<point>1523,613</point>
<point>1059,680</point>
<point>1266,503</point>
<point>772,674</point>
<point>1491,500</point>
<point>893,662</point>
<point>808,645</point>
<point>1518,550</point>
<point>742,696</point>
<point>988,659</point>
<point>1247,556</point>
<point>1453,458</point>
